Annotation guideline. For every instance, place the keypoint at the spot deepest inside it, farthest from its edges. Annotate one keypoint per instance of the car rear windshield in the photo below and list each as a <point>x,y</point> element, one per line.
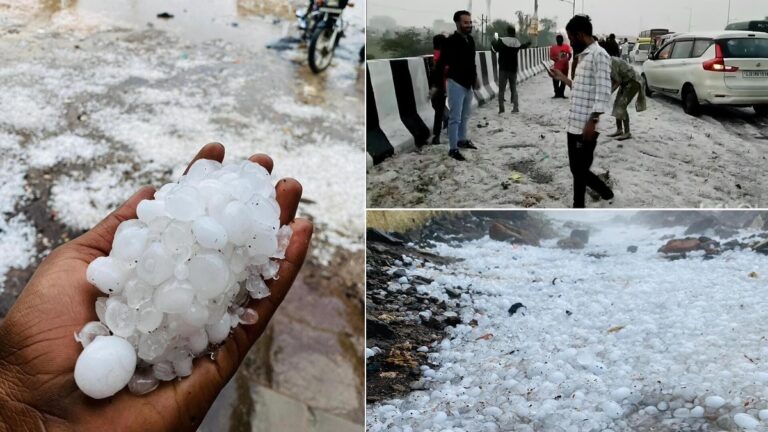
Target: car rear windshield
<point>744,48</point>
<point>644,47</point>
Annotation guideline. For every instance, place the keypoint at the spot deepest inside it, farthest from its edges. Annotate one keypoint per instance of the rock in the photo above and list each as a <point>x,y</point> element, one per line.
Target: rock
<point>399,273</point>
<point>597,255</point>
<point>453,293</point>
<point>165,15</point>
<point>376,329</point>
<point>374,235</point>
<point>702,225</point>
<point>726,233</point>
<point>500,231</point>
<point>515,307</point>
<point>452,318</point>
<point>680,246</point>
<point>761,247</point>
<point>421,280</point>
<point>570,243</point>
<point>581,234</point>
<point>632,249</point>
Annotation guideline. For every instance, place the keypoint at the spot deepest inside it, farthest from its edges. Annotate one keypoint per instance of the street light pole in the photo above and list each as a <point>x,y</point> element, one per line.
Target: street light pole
<point>690,16</point>
<point>729,13</point>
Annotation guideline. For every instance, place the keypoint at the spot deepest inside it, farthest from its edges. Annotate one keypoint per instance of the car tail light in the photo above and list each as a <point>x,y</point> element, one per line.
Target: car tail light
<point>718,64</point>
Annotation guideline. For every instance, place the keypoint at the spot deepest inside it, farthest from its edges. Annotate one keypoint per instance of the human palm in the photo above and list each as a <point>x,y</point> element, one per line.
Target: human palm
<point>38,351</point>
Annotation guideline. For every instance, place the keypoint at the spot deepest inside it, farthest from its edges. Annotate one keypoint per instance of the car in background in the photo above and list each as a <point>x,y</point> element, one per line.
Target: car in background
<point>722,68</point>
<point>761,26</point>
<point>640,51</point>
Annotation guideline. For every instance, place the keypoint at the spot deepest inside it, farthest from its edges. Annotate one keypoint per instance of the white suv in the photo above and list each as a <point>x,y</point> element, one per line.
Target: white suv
<point>724,68</point>
<point>639,52</point>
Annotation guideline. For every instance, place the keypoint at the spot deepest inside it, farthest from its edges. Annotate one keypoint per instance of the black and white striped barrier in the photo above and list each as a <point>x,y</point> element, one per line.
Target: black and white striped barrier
<point>399,114</point>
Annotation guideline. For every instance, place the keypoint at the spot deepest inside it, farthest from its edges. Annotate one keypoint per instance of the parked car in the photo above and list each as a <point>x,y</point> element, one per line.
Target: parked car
<point>640,52</point>
<point>722,68</point>
<point>760,26</point>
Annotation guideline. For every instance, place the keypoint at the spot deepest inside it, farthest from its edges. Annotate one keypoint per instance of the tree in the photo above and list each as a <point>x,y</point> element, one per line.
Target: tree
<point>547,32</point>
<point>410,42</point>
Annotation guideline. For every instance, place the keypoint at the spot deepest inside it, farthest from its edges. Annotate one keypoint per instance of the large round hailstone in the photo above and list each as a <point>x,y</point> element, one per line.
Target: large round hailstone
<point>105,366</point>
<point>180,276</point>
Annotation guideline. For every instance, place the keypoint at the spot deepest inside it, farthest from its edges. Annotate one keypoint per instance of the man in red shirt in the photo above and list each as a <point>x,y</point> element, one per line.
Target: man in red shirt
<point>561,55</point>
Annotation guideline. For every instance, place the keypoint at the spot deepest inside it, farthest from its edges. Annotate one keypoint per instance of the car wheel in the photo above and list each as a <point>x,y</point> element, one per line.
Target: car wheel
<point>648,91</point>
<point>690,101</point>
<point>761,110</point>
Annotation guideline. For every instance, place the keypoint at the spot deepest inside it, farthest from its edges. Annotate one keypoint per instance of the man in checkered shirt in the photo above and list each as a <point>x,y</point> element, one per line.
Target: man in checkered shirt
<point>590,97</point>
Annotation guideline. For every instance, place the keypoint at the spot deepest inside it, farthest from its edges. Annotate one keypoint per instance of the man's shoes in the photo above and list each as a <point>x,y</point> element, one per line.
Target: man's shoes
<point>515,110</point>
<point>467,144</point>
<point>624,136</point>
<point>615,134</point>
<point>501,110</point>
<point>456,155</point>
<point>436,140</point>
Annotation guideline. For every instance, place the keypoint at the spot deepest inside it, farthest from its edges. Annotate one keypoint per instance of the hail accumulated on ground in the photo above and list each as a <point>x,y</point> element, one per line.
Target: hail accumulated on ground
<point>626,342</point>
<point>180,276</point>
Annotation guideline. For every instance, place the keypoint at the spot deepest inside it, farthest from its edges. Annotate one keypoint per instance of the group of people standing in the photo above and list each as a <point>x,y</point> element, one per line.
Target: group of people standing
<point>596,72</point>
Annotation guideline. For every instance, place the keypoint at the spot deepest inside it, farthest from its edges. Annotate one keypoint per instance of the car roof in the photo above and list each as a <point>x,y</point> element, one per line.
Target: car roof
<point>722,34</point>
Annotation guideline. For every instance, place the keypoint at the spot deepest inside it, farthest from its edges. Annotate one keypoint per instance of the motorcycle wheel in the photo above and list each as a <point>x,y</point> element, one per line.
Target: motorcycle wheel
<point>321,49</point>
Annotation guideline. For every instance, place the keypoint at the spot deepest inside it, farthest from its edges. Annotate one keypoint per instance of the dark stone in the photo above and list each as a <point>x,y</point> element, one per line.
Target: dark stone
<point>569,313</point>
<point>453,293</point>
<point>632,249</point>
<point>515,307</point>
<point>165,15</point>
<point>374,235</point>
<point>420,280</point>
<point>452,320</point>
<point>570,243</point>
<point>581,234</point>
<point>702,225</point>
<point>378,329</point>
<point>399,273</point>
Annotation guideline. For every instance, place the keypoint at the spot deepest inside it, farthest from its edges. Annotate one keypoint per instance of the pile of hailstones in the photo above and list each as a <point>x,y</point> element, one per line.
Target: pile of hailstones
<point>180,276</point>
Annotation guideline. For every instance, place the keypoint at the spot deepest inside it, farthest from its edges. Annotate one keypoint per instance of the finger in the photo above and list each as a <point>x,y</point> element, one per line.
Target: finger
<point>263,160</point>
<point>288,193</point>
<point>212,151</point>
<point>278,287</point>
<point>99,238</point>
<point>199,390</point>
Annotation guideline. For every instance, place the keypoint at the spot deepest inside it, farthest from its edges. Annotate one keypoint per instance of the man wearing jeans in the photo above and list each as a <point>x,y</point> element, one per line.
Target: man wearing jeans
<point>508,48</point>
<point>590,97</point>
<point>458,55</point>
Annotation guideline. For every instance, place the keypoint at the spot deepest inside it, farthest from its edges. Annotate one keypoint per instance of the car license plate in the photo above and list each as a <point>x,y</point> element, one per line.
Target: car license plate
<point>755,74</point>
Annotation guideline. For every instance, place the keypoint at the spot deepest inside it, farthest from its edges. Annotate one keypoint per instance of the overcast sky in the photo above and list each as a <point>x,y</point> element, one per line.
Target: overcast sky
<point>608,16</point>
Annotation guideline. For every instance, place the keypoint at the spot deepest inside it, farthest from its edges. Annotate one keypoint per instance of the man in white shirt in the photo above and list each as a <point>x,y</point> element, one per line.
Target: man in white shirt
<point>590,97</point>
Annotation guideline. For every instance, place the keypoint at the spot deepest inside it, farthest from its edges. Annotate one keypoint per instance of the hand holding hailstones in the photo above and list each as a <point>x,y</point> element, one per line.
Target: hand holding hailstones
<point>178,277</point>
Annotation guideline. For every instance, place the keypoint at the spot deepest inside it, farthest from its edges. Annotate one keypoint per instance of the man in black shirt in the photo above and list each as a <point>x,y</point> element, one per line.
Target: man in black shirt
<point>508,47</point>
<point>611,46</point>
<point>458,55</point>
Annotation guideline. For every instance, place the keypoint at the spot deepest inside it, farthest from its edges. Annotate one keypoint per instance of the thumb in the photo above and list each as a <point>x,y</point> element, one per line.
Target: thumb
<point>99,238</point>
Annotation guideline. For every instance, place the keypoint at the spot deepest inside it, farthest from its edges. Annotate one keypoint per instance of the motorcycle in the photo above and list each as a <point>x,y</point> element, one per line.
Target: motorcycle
<point>324,25</point>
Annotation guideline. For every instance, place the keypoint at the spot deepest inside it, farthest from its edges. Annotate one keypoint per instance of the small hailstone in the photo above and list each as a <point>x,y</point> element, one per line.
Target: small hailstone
<point>745,421</point>
<point>714,402</point>
<point>90,331</point>
<point>179,277</point>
